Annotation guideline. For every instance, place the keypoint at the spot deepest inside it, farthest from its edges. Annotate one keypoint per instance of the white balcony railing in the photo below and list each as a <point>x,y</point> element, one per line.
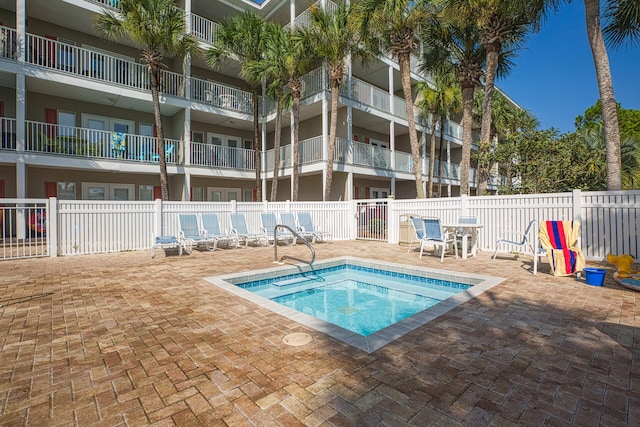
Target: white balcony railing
<point>304,19</point>
<point>204,29</point>
<point>84,62</point>
<point>8,137</point>
<point>217,156</point>
<point>8,42</point>
<point>370,155</point>
<point>221,96</point>
<point>83,142</point>
<point>111,4</point>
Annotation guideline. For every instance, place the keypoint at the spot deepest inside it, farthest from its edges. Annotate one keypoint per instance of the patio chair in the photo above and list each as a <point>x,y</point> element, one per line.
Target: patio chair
<point>524,240</point>
<point>189,232</point>
<point>240,230</point>
<point>461,233</point>
<point>166,242</point>
<point>560,241</point>
<point>210,228</point>
<point>289,219</point>
<point>306,224</point>
<point>269,223</point>
<point>434,235</point>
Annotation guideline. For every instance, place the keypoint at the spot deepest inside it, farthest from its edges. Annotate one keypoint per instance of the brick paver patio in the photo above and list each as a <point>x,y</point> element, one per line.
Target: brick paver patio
<point>124,339</point>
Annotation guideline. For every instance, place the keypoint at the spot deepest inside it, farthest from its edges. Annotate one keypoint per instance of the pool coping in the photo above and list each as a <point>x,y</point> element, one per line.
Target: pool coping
<point>377,340</point>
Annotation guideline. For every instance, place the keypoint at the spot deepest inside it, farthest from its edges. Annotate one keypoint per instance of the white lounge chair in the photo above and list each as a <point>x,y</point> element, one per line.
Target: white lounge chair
<point>306,224</point>
<point>210,228</point>
<point>189,232</point>
<point>289,219</point>
<point>241,232</point>
<point>269,223</point>
<point>166,242</point>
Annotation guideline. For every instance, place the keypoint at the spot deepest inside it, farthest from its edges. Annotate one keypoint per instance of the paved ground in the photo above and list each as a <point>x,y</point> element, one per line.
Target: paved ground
<point>123,339</point>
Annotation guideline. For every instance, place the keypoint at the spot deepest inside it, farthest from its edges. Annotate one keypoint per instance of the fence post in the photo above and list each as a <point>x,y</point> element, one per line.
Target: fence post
<point>234,207</point>
<point>464,202</point>
<point>576,205</point>
<point>392,224</point>
<point>353,228</point>
<point>265,206</point>
<point>158,218</point>
<point>287,206</point>
<point>52,227</point>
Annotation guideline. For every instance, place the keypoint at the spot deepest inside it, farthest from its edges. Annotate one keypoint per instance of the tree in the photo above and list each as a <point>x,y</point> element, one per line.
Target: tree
<point>241,37</point>
<point>607,98</point>
<point>394,25</point>
<point>159,27</point>
<point>503,25</point>
<point>439,102</point>
<point>273,67</point>
<point>623,22</point>
<point>334,37</point>
<point>449,43</point>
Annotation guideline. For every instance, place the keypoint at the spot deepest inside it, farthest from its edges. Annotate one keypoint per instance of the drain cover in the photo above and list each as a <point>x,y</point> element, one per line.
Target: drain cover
<point>297,339</point>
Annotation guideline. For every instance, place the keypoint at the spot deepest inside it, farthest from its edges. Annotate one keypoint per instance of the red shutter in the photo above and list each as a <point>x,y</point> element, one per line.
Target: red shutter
<point>255,195</point>
<point>191,194</point>
<point>50,189</point>
<point>51,117</point>
<point>355,137</point>
<point>157,192</point>
<point>355,192</point>
<point>367,192</point>
<point>366,141</point>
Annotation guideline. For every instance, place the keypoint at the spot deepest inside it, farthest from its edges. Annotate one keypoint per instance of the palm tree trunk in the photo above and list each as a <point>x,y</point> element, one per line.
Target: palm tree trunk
<point>404,62</point>
<point>153,79</point>
<point>607,99</point>
<point>440,167</point>
<point>333,127</point>
<point>467,124</point>
<point>295,112</point>
<point>257,145</point>
<point>432,155</point>
<point>276,150</point>
<point>484,147</point>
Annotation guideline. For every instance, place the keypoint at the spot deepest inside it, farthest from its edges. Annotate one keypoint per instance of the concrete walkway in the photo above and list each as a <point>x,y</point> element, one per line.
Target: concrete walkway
<point>126,340</point>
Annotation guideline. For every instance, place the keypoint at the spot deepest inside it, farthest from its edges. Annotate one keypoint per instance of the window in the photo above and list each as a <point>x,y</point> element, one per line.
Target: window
<point>145,192</point>
<point>247,195</point>
<point>146,129</point>
<point>379,193</point>
<point>197,194</point>
<point>66,190</point>
<point>223,194</point>
<point>100,191</point>
<point>197,137</point>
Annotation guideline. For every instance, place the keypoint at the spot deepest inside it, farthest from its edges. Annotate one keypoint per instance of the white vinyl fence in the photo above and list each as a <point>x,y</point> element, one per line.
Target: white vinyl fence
<point>610,220</point>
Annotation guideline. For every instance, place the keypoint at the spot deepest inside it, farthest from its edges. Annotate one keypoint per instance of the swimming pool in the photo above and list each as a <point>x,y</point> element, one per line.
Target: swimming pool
<point>364,303</point>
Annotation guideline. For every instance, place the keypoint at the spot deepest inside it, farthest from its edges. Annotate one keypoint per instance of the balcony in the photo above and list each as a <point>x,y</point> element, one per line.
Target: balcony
<point>204,29</point>
<point>217,156</point>
<point>96,144</point>
<point>218,95</point>
<point>86,63</point>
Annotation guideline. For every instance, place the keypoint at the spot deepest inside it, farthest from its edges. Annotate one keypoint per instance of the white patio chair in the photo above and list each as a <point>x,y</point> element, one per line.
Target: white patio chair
<point>306,224</point>
<point>240,231</point>
<point>210,228</point>
<point>434,235</point>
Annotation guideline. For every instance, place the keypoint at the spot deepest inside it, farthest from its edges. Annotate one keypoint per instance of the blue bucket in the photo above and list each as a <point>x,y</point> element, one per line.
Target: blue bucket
<point>594,276</point>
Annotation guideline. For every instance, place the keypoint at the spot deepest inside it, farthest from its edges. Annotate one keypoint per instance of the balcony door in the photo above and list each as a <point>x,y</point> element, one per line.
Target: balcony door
<point>104,191</point>
<point>217,194</point>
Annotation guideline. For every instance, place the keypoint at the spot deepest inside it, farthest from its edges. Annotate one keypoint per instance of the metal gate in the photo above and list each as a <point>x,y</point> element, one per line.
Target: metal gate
<point>23,228</point>
<point>372,218</point>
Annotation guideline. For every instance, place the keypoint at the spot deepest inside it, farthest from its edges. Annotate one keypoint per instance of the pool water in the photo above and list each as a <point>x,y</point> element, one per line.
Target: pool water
<point>364,303</point>
<point>360,299</point>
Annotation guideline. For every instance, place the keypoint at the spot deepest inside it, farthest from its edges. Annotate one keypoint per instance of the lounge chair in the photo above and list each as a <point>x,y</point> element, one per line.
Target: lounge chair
<point>289,219</point>
<point>269,223</point>
<point>306,224</point>
<point>210,228</point>
<point>526,241</point>
<point>433,235</point>
<point>189,232</point>
<point>560,241</point>
<point>166,242</point>
<point>241,232</point>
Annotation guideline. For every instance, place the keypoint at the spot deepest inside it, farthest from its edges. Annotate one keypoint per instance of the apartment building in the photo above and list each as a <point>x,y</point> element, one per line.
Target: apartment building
<point>77,116</point>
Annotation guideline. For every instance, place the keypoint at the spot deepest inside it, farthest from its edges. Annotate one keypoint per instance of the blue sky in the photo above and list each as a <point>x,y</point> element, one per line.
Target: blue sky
<point>554,76</point>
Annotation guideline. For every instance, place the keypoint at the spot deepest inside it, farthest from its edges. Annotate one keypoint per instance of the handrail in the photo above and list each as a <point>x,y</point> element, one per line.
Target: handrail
<point>297,235</point>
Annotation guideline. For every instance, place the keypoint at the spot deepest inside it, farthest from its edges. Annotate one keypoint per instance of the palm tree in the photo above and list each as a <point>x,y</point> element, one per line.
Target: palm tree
<point>501,23</point>
<point>448,43</point>
<point>334,38</point>
<point>623,22</point>
<point>241,37</point>
<point>394,25</point>
<point>272,66</point>
<point>159,27</point>
<point>605,87</point>
<point>439,102</point>
<point>288,58</point>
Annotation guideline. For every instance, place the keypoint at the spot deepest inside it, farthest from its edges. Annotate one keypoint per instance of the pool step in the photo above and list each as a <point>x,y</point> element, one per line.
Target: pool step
<point>295,280</point>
